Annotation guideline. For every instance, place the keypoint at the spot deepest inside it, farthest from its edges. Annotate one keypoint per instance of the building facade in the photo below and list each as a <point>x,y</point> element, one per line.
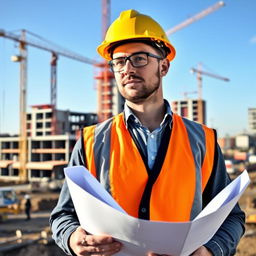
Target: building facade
<point>192,109</point>
<point>46,153</point>
<point>252,120</point>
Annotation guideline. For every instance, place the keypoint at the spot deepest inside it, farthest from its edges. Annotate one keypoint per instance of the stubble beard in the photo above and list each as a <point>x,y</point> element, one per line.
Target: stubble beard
<point>145,92</point>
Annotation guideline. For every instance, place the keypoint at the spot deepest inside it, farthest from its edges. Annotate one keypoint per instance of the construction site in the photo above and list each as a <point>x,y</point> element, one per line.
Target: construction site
<point>32,161</point>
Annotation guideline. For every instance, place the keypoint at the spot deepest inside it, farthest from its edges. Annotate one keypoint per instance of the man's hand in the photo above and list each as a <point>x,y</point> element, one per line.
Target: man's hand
<point>84,244</point>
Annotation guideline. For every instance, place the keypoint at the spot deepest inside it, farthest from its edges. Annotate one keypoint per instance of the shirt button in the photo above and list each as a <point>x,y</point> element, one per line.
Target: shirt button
<point>152,136</point>
<point>143,209</point>
<point>152,157</point>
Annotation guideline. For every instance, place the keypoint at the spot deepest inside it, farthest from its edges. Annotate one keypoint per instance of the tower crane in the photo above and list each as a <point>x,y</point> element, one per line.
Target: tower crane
<point>185,23</point>
<point>200,72</point>
<point>46,46</point>
<point>22,58</point>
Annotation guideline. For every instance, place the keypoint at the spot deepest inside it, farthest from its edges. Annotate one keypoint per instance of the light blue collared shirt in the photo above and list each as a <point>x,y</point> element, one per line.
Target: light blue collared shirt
<point>149,141</point>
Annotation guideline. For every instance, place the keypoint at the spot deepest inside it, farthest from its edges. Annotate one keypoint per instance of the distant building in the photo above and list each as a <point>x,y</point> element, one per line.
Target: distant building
<point>192,109</point>
<point>252,120</point>
<point>45,152</point>
<point>41,121</point>
<point>245,142</point>
<point>226,143</point>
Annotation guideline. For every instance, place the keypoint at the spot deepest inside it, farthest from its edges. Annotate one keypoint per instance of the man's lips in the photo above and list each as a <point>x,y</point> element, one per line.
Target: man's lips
<point>132,80</point>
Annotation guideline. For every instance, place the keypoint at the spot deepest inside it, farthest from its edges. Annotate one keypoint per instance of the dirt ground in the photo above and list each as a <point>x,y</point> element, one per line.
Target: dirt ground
<point>43,203</point>
<point>37,249</point>
<point>30,230</point>
<point>247,245</point>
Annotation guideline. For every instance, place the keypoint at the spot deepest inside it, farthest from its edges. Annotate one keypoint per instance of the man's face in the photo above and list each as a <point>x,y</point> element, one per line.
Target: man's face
<point>137,84</point>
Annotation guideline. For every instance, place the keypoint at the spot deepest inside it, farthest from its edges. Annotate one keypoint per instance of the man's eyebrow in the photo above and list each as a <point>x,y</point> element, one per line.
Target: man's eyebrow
<point>130,54</point>
<point>120,57</point>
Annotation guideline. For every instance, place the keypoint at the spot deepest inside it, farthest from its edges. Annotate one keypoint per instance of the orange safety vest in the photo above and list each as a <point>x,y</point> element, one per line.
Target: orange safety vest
<point>113,157</point>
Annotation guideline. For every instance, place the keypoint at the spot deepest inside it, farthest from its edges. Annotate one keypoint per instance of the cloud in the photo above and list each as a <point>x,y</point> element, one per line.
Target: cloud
<point>253,40</point>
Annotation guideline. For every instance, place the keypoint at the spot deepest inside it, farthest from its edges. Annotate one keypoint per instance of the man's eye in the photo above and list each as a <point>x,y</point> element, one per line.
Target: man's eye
<point>119,62</point>
<point>139,58</point>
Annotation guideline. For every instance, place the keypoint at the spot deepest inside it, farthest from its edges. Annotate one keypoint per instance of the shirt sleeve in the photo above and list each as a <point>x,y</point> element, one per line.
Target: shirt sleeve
<point>63,219</point>
<point>226,239</point>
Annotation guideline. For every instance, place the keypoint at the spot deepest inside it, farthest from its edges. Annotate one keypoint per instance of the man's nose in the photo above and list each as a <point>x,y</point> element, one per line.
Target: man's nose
<point>128,67</point>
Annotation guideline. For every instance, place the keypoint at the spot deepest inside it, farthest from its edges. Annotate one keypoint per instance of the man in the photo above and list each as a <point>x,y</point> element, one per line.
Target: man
<point>156,165</point>
<point>27,206</point>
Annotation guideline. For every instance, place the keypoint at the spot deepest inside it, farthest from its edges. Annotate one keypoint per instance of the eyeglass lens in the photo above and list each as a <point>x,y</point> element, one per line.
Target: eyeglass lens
<point>137,60</point>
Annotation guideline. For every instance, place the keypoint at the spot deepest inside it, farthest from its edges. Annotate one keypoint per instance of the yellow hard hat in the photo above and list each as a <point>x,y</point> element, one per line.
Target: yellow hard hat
<point>134,25</point>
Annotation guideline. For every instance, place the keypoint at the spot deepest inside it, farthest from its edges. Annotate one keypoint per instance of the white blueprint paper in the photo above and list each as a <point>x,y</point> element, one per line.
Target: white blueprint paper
<point>99,213</point>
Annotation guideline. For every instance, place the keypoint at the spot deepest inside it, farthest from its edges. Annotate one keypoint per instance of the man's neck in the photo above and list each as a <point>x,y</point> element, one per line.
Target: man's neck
<point>150,115</point>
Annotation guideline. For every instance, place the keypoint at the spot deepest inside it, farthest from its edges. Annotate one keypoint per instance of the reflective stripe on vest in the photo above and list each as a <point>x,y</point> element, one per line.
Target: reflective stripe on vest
<point>176,195</point>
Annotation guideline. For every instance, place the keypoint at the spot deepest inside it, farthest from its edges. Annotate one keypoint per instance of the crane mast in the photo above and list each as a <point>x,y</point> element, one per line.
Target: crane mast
<point>23,113</point>
<point>53,94</point>
<point>105,77</point>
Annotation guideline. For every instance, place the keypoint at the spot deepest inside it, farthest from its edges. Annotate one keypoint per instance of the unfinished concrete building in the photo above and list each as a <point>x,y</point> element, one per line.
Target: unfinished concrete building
<point>46,153</point>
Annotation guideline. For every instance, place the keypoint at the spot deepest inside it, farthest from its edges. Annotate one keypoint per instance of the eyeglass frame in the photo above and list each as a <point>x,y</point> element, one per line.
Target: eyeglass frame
<point>148,54</point>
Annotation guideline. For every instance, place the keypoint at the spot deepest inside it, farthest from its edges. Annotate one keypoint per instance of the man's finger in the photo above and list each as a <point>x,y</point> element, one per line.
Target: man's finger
<point>94,240</point>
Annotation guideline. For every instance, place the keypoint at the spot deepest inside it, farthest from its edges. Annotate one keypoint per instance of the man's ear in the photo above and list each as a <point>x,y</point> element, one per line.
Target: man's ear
<point>165,65</point>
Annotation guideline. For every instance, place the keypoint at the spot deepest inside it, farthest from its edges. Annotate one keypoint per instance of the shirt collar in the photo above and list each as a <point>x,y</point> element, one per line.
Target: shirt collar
<point>131,117</point>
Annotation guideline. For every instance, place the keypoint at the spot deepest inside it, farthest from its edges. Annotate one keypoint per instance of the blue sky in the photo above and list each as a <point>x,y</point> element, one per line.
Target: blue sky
<point>224,41</point>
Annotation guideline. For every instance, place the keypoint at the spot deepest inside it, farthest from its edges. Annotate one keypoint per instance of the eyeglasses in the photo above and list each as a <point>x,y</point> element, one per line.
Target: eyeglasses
<point>137,59</point>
